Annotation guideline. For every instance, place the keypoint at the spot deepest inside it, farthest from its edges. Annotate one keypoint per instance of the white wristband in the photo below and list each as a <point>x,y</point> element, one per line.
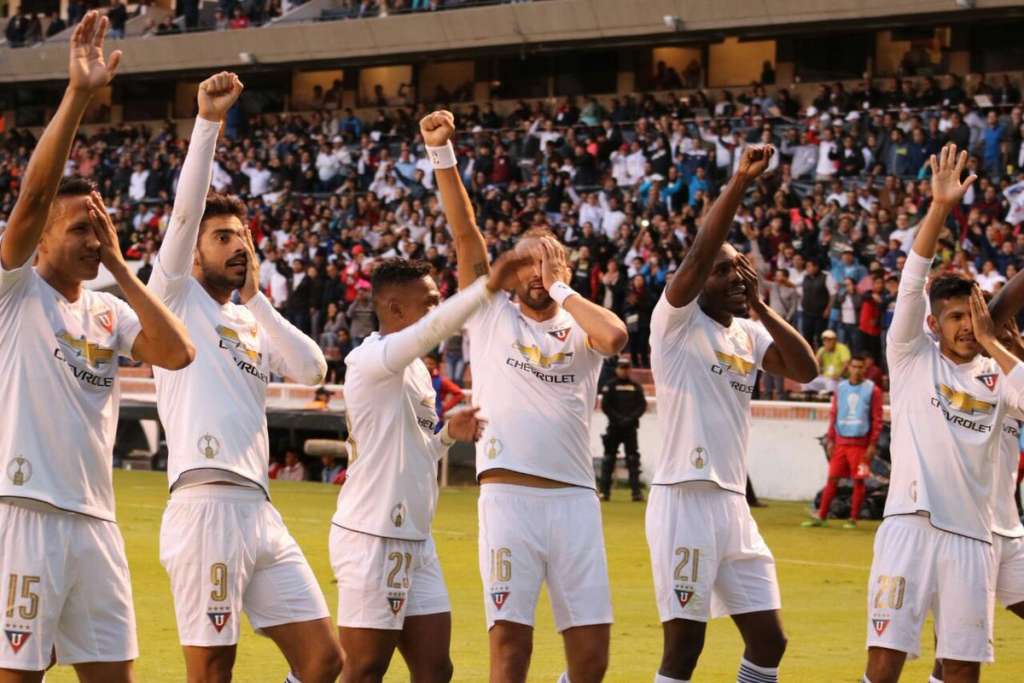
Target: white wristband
<point>560,292</point>
<point>442,157</point>
<point>446,437</point>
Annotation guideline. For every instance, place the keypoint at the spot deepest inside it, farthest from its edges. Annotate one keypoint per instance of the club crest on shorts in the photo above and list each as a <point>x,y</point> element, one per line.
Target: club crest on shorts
<point>17,638</point>
<point>560,335</point>
<point>683,596</point>
<point>395,602</point>
<point>988,380</point>
<point>208,446</point>
<point>19,471</point>
<point>219,618</point>
<point>699,457</point>
<point>398,515</point>
<point>880,625</point>
<point>499,598</point>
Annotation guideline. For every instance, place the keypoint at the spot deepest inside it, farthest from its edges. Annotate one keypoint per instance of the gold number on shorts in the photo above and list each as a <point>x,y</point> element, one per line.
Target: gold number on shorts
<point>891,590</point>
<point>686,554</point>
<point>399,559</point>
<point>24,612</point>
<point>501,565</point>
<point>219,579</point>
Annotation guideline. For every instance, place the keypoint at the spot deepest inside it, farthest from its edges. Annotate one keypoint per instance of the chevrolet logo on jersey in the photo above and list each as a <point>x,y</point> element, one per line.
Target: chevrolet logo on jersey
<point>533,354</point>
<point>735,364</point>
<point>230,340</point>
<point>963,402</point>
<point>94,355</point>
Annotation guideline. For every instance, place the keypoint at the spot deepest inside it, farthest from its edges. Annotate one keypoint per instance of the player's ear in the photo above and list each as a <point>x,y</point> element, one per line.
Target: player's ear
<point>933,324</point>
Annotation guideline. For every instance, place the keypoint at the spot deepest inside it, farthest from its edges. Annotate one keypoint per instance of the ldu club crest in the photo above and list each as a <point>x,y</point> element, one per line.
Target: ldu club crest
<point>19,471</point>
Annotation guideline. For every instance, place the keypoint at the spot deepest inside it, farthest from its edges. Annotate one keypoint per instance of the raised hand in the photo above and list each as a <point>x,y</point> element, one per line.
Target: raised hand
<point>87,70</point>
<point>217,94</point>
<point>505,272</point>
<point>750,278</point>
<point>981,320</point>
<point>465,425</point>
<point>755,160</point>
<point>946,171</point>
<point>106,233</point>
<point>552,265</point>
<point>437,128</point>
<point>252,269</point>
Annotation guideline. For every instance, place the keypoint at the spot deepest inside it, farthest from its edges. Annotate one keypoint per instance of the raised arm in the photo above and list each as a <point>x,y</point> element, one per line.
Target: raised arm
<point>163,340</point>
<point>908,317</point>
<point>216,95</point>
<point>789,355</point>
<point>689,279</point>
<point>470,248</point>
<point>87,73</point>
<point>1007,302</point>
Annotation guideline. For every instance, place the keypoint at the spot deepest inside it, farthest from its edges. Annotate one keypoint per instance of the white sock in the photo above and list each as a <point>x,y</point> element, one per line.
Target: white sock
<point>933,679</point>
<point>752,673</point>
<point>292,678</point>
<point>658,678</point>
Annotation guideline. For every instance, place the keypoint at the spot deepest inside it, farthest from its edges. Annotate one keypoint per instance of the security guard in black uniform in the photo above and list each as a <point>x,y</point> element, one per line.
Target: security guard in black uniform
<point>623,401</point>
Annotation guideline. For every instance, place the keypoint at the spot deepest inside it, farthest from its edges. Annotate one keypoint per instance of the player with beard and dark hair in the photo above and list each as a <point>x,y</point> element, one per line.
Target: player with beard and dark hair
<point>65,575</point>
<point>535,370</point>
<point>223,544</point>
<point>707,554</point>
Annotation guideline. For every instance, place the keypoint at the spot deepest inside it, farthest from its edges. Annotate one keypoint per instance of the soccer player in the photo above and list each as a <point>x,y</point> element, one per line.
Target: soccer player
<point>933,549</point>
<point>855,422</point>
<point>391,592</point>
<point>707,555</point>
<point>1007,530</point>
<point>222,543</point>
<point>535,368</point>
<point>65,576</point>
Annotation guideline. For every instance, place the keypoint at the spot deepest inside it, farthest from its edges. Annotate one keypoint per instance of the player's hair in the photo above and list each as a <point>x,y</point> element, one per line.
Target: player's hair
<point>75,186</point>
<point>218,204</point>
<point>950,286</point>
<point>396,271</point>
<point>541,232</point>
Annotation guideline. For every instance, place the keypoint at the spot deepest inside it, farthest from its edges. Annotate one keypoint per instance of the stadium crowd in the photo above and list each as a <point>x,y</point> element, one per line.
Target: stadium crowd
<point>624,186</point>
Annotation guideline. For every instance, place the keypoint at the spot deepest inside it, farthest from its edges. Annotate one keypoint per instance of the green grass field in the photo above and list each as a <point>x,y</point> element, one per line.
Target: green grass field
<point>823,574</point>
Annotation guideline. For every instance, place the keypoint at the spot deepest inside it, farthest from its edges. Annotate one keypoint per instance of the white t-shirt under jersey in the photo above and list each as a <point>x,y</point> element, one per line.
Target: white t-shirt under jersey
<point>60,392</point>
<point>391,486</point>
<point>1004,508</point>
<point>945,420</point>
<point>704,373</point>
<point>536,384</point>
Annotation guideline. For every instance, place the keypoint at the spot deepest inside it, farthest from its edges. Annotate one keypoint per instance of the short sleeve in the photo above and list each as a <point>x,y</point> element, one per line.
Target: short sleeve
<point>127,325</point>
<point>14,281</point>
<point>667,321</point>
<point>170,290</point>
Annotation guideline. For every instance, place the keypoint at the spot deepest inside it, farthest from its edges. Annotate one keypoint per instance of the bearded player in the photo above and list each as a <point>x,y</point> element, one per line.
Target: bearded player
<point>535,368</point>
<point>391,592</point>
<point>65,576</point>
<point>223,544</point>
<point>933,551</point>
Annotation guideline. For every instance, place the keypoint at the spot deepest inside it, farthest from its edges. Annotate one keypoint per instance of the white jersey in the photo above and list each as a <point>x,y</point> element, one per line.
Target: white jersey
<point>945,421</point>
<point>61,394</point>
<point>214,411</point>
<point>705,375</point>
<point>536,384</point>
<point>391,486</point>
<point>1004,507</point>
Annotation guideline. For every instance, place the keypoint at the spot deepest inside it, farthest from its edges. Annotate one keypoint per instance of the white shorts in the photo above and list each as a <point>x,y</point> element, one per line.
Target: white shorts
<point>381,581</point>
<point>226,549</point>
<point>529,535</point>
<point>65,579</point>
<point>707,555</point>
<point>1009,554</point>
<point>917,567</point>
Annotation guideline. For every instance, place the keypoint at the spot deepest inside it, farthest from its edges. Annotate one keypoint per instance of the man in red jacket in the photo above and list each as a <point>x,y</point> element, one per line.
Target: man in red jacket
<point>854,425</point>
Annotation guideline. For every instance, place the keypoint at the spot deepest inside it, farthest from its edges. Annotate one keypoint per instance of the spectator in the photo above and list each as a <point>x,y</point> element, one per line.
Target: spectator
<point>332,471</point>
<point>238,19</point>
<point>361,316</point>
<point>817,289</point>
<point>833,357</point>
<point>117,15</point>
<point>448,393</point>
<point>293,469</point>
